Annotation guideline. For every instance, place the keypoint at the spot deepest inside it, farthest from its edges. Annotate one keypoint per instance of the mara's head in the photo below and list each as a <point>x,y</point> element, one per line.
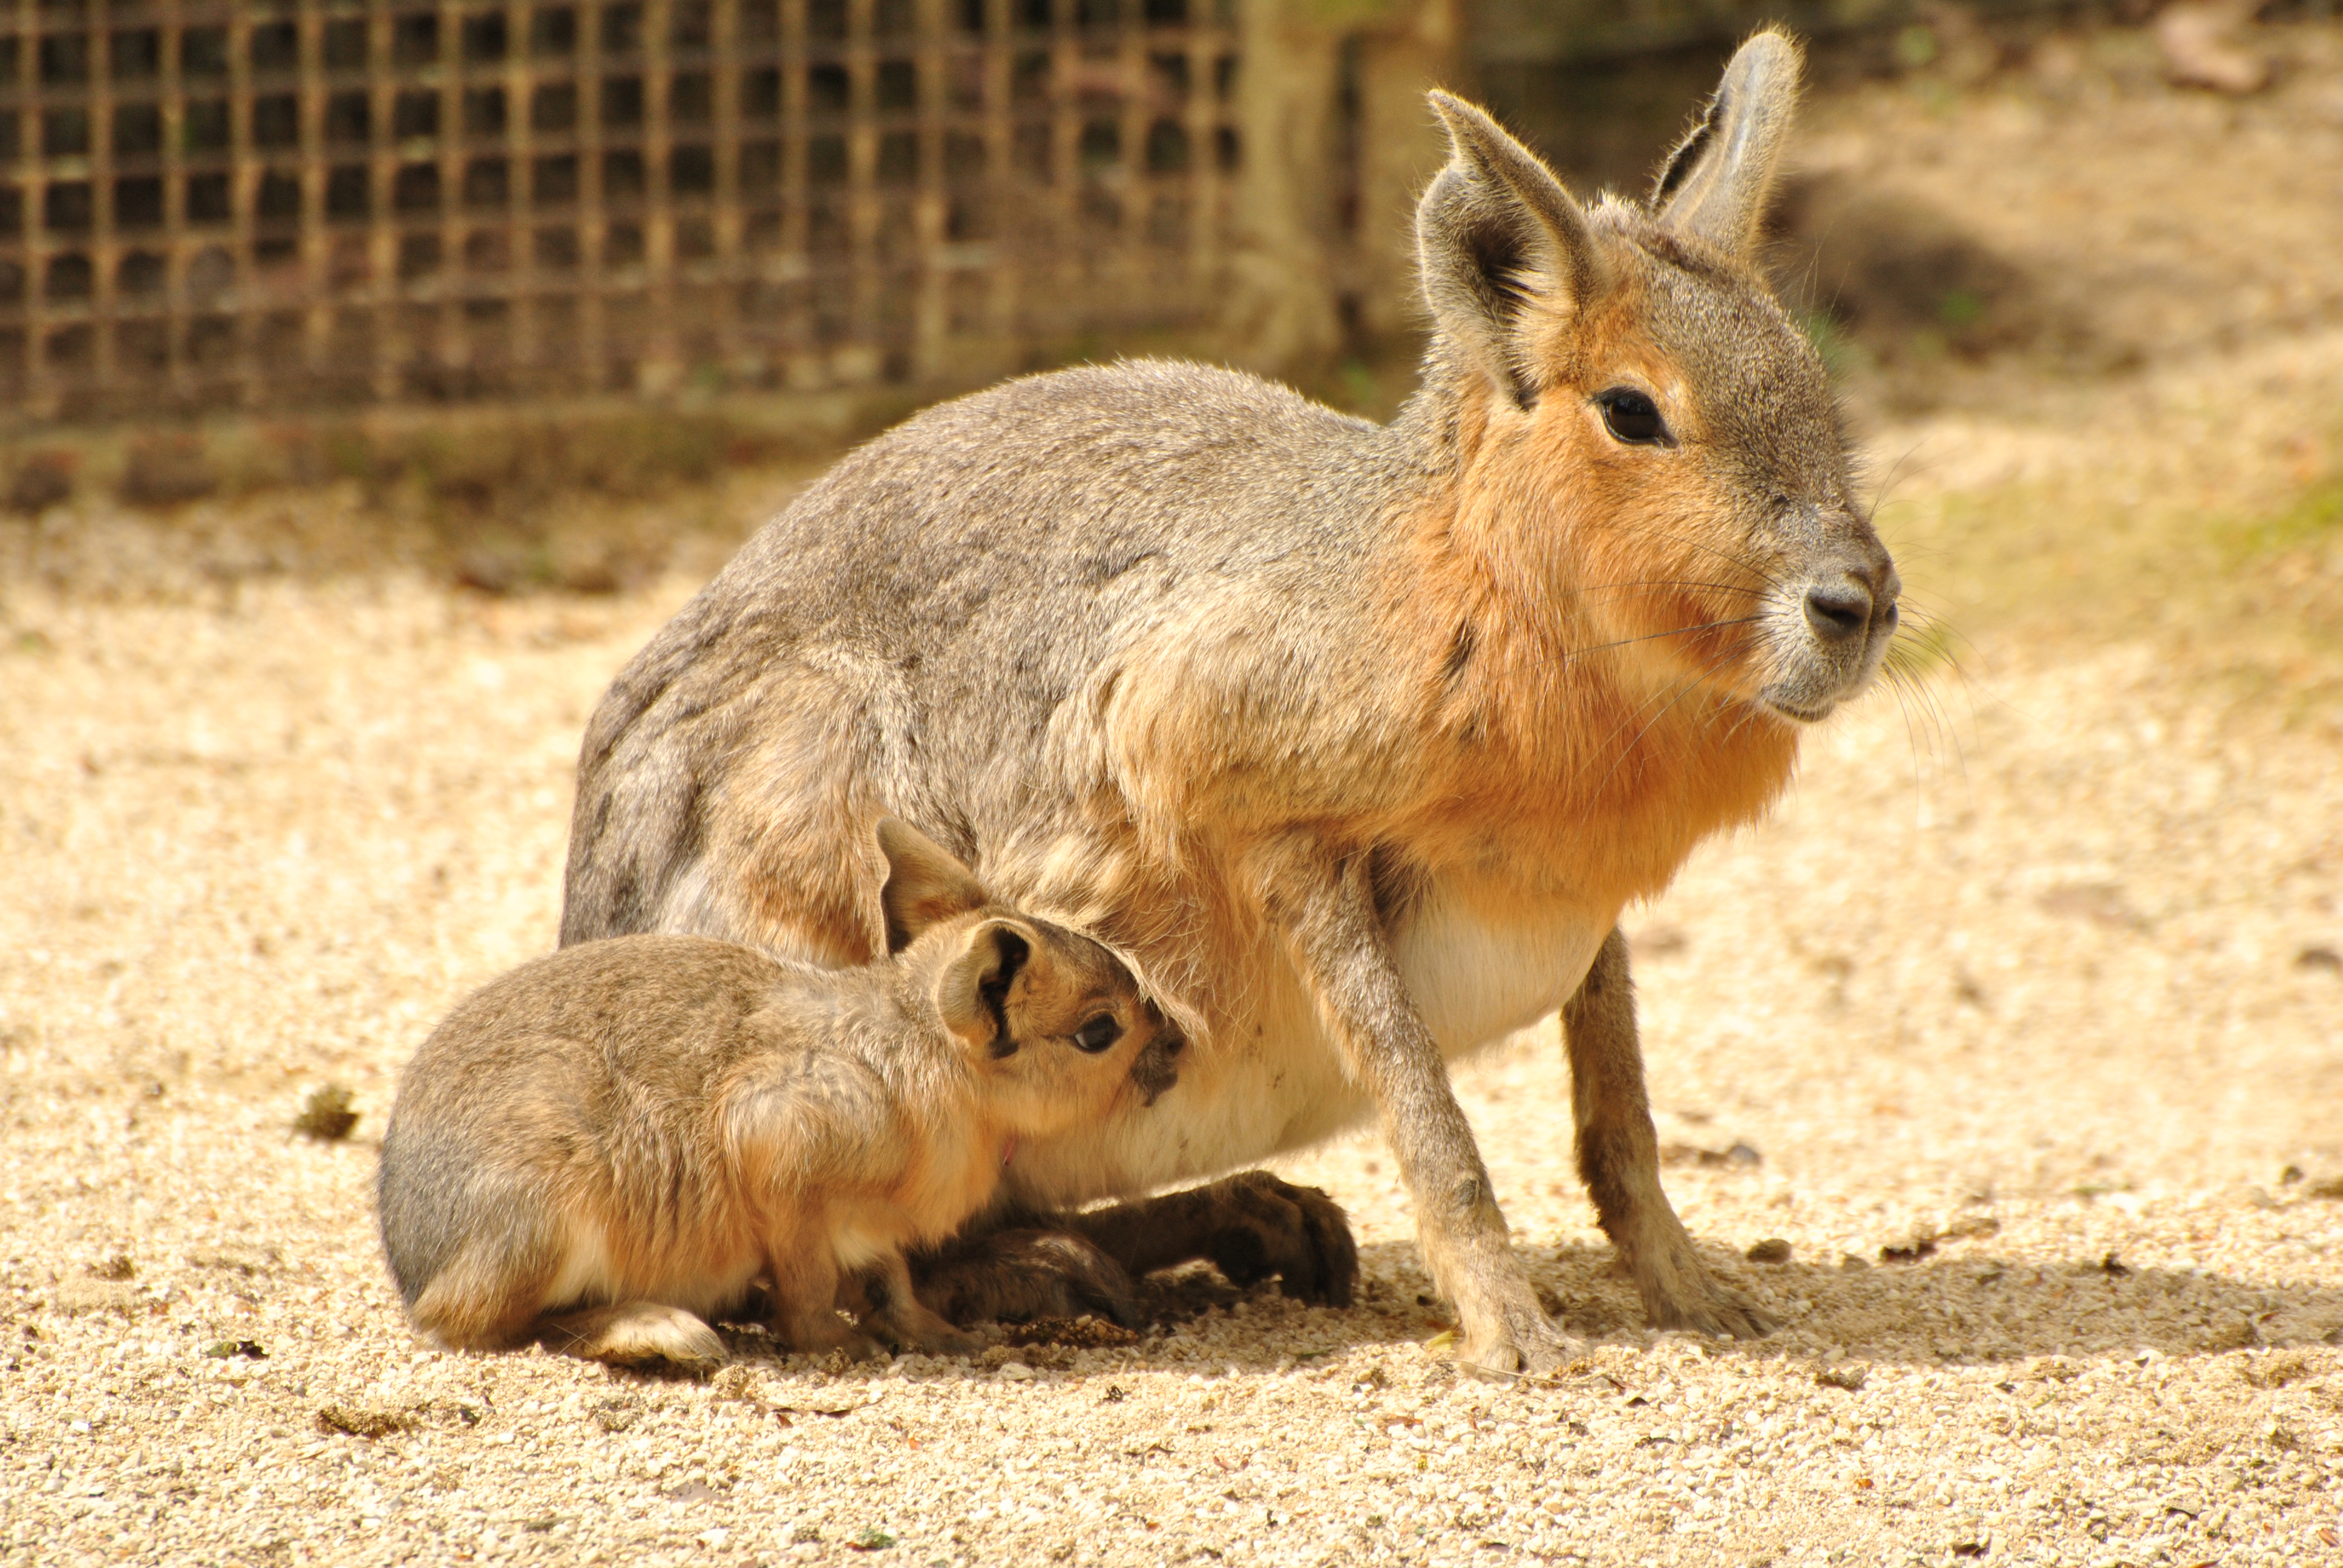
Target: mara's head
<point>1652,439</point>
<point>1054,1025</point>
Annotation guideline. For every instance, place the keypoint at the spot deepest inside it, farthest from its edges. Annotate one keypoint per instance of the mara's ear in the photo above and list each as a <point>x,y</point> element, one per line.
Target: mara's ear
<point>924,883</point>
<point>1716,183</point>
<point>1496,236</point>
<point>973,986</point>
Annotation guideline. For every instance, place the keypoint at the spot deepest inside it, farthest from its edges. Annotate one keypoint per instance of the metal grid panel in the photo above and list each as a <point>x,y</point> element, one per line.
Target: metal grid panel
<point>211,204</point>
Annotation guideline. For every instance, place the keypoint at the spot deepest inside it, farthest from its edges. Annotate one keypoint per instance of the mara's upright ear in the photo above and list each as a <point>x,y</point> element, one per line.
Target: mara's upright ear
<point>971,990</point>
<point>924,883</point>
<point>1716,183</point>
<point>1497,236</point>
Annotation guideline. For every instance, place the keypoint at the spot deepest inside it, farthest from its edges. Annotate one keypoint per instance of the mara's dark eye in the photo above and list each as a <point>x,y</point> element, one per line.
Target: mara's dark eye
<point>1631,417</point>
<point>1097,1034</point>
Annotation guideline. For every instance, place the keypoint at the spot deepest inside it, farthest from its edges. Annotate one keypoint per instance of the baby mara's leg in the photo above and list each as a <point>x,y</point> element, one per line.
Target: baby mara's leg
<point>493,1296</point>
<point>636,1334</point>
<point>488,1297</point>
<point>896,1315</point>
<point>803,1267</point>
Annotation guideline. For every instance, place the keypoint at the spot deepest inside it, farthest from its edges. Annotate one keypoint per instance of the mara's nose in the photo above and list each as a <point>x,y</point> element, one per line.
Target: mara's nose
<point>1838,610</point>
<point>1852,603</point>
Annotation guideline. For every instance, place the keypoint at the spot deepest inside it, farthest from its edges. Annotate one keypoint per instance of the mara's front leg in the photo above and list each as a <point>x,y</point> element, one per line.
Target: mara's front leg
<point>1323,906</point>
<point>1619,1159</point>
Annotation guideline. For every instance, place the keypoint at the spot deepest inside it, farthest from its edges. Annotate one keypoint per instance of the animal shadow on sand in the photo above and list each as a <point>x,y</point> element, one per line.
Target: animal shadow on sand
<point>1956,1304</point>
<point>1949,1303</point>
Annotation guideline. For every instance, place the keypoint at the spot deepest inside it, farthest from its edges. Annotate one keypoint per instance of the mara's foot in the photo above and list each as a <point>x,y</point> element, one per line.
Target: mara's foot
<point>820,1335</point>
<point>1015,1276</point>
<point>934,1337</point>
<point>1250,1226</point>
<point>1680,1292</point>
<point>1504,1329</point>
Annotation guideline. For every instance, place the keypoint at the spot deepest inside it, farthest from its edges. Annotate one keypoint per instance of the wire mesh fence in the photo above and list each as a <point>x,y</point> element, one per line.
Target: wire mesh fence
<point>210,206</point>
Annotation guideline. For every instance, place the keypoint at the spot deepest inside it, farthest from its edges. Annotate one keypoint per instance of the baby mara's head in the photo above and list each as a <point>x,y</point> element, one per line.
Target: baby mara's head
<point>1054,1025</point>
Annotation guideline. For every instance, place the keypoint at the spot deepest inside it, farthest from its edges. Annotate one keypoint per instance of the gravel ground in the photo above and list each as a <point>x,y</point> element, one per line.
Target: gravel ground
<point>2049,1017</point>
<point>2016,1040</point>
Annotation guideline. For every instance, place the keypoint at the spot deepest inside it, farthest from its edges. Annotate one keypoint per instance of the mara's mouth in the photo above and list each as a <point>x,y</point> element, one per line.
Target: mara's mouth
<point>1823,660</point>
<point>1811,691</point>
<point>1806,711</point>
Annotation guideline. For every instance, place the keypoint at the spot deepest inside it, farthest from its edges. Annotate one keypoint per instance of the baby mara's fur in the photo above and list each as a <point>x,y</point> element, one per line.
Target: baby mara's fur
<point>1355,740</point>
<point>606,1147</point>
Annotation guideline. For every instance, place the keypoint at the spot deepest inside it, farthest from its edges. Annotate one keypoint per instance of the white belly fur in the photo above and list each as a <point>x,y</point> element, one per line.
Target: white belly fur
<point>1275,1082</point>
<point>1475,981</point>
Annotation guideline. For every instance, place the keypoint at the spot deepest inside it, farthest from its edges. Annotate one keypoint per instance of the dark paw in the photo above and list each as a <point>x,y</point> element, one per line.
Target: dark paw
<point>1262,1226</point>
<point>1016,1276</point>
<point>1696,1301</point>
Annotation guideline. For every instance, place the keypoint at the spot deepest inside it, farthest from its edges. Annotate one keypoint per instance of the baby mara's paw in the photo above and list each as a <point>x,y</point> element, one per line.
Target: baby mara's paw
<point>642,1334</point>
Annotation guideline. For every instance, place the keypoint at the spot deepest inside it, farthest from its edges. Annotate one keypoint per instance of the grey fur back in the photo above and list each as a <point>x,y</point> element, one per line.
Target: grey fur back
<point>965,573</point>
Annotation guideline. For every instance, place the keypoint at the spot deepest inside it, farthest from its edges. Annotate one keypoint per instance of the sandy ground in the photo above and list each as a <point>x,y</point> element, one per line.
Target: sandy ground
<point>2021,1025</point>
<point>2046,1000</point>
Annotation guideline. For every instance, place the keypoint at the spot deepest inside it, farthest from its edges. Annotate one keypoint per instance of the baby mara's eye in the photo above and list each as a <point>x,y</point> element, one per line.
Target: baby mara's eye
<point>1631,417</point>
<point>1097,1034</point>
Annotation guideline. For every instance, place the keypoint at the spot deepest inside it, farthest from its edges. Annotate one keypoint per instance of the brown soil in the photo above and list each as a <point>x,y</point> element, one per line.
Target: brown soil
<point>2021,1025</point>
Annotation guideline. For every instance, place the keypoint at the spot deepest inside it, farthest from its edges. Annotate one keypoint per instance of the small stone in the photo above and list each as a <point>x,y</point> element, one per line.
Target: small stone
<point>1016,1372</point>
<point>1772,1250</point>
<point>326,1115</point>
<point>740,1383</point>
<point>358,1420</point>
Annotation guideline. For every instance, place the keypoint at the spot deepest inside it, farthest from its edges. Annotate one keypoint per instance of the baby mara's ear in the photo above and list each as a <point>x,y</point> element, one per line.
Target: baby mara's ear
<point>1499,243</point>
<point>1154,1069</point>
<point>1716,183</point>
<point>925,885</point>
<point>972,992</point>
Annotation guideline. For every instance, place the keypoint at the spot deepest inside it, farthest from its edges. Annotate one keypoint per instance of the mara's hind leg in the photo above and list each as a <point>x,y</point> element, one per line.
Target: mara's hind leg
<point>1619,1159</point>
<point>489,1297</point>
<point>1018,1263</point>
<point>636,1334</point>
<point>493,1298</point>
<point>1249,1226</point>
<point>988,1274</point>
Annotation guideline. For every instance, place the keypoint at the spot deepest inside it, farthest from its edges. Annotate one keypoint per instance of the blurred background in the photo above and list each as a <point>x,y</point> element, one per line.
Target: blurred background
<point>464,270</point>
<point>536,296</point>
